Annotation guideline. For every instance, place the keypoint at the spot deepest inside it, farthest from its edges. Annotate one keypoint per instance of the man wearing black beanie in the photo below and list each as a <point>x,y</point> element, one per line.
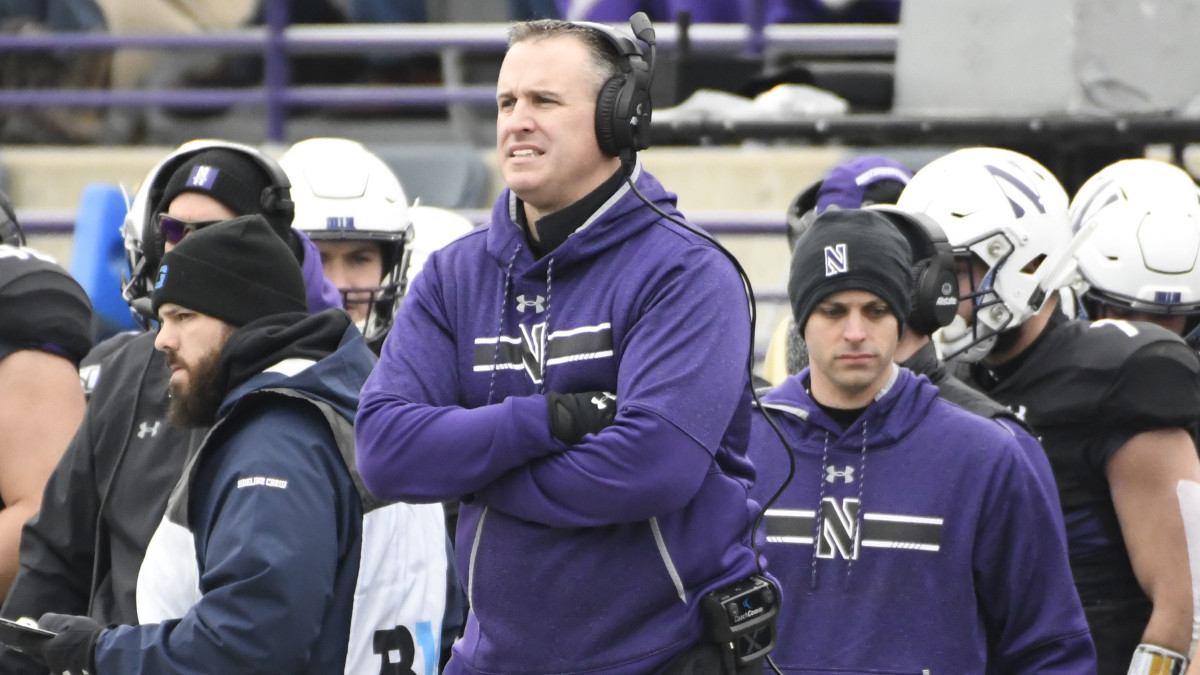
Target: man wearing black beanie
<point>81,552</point>
<point>297,568</point>
<point>907,532</point>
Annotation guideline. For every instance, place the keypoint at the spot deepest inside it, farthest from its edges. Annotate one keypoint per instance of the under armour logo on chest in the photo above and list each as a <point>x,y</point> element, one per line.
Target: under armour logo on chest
<point>832,474</point>
<point>538,303</point>
<point>145,429</point>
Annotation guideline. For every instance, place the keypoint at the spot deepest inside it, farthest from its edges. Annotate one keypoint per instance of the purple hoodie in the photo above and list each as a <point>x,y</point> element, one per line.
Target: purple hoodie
<point>938,548</point>
<point>322,294</point>
<point>592,557</point>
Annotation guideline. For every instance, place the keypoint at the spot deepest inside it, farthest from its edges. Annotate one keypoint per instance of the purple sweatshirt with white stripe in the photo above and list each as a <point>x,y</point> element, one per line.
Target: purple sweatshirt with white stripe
<point>919,540</point>
<point>589,557</point>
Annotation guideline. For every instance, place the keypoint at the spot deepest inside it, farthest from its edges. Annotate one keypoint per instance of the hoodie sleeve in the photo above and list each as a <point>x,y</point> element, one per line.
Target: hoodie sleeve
<point>1032,611</point>
<point>681,382</point>
<point>268,554</point>
<point>414,442</point>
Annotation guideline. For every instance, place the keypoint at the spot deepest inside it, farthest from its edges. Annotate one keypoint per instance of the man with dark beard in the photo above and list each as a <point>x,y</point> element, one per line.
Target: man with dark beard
<point>81,552</point>
<point>297,569</point>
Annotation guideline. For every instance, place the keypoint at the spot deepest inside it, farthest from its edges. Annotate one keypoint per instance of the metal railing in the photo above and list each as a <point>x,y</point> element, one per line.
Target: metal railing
<point>277,40</point>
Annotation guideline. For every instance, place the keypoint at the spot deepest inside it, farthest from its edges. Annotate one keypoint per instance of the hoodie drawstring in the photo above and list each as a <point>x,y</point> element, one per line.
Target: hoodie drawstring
<point>546,333</point>
<point>820,510</point>
<point>818,518</point>
<point>858,514</point>
<point>500,329</point>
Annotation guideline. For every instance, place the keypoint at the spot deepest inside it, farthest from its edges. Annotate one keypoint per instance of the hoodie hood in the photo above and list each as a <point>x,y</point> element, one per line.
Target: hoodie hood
<point>891,416</point>
<point>322,294</point>
<point>506,241</point>
<point>321,356</point>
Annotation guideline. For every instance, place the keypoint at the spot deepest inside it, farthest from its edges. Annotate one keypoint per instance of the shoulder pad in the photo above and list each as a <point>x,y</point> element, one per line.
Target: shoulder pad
<point>41,305</point>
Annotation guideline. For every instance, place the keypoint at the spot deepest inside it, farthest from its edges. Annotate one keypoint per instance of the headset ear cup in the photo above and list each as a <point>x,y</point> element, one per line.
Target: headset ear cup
<point>934,296</point>
<point>943,293</point>
<point>153,247</point>
<point>920,317</point>
<point>607,134</point>
<point>640,110</point>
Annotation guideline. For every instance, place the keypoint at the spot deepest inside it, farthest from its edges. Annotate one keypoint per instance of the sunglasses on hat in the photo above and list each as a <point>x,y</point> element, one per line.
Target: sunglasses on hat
<point>174,229</point>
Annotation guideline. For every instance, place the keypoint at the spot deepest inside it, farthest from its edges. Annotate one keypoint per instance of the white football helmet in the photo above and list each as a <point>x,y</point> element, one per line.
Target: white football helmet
<point>1010,212</point>
<point>143,243</point>
<point>345,192</point>
<point>1144,252</point>
<point>434,228</point>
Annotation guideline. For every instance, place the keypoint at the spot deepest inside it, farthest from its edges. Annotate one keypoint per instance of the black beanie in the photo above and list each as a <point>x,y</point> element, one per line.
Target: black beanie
<point>228,176</point>
<point>236,271</point>
<point>850,249</point>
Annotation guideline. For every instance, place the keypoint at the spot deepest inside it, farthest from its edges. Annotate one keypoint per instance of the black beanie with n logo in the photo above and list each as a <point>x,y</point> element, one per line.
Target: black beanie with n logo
<point>850,249</point>
<point>237,271</point>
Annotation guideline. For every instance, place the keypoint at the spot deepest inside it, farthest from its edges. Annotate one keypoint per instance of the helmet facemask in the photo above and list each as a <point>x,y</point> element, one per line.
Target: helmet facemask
<point>382,300</point>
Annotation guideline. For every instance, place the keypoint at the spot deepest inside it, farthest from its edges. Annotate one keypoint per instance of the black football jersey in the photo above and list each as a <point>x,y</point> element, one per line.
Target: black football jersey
<point>1086,388</point>
<point>42,306</point>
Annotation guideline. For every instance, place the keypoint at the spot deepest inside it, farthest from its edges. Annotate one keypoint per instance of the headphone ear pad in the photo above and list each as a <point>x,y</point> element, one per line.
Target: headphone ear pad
<point>942,287</point>
<point>920,317</point>
<point>934,296</point>
<point>606,111</point>
<point>153,247</point>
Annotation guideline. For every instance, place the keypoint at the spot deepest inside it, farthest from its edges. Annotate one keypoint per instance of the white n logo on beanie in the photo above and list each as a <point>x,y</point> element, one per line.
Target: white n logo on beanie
<point>836,260</point>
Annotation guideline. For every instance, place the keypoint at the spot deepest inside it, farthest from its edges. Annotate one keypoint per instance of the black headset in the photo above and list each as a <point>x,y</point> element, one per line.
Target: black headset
<point>935,277</point>
<point>623,105</point>
<point>275,201</point>
<point>10,229</point>
<point>801,213</point>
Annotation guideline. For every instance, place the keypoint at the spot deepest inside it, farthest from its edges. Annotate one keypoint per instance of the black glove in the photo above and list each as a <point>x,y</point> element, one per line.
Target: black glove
<point>574,415</point>
<point>73,650</point>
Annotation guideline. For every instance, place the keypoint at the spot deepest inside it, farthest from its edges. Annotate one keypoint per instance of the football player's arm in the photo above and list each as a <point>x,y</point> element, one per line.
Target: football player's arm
<point>1142,475</point>
<point>681,380</point>
<point>414,442</point>
<point>41,406</point>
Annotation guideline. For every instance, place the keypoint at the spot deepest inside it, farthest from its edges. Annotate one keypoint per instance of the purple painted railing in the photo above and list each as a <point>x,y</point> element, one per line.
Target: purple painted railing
<point>276,41</point>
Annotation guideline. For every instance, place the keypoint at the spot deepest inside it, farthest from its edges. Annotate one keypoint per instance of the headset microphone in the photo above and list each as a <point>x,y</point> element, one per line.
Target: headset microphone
<point>644,31</point>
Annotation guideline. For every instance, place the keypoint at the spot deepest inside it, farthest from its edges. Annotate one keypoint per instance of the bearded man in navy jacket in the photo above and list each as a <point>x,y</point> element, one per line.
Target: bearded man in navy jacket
<point>575,373</point>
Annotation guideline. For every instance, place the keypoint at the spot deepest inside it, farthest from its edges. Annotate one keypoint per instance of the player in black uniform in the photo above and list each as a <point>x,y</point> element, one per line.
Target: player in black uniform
<point>1141,260</point>
<point>1114,402</point>
<point>45,329</point>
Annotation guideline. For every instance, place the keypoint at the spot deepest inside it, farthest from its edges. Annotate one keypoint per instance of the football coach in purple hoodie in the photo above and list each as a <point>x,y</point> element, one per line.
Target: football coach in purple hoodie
<point>575,373</point>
